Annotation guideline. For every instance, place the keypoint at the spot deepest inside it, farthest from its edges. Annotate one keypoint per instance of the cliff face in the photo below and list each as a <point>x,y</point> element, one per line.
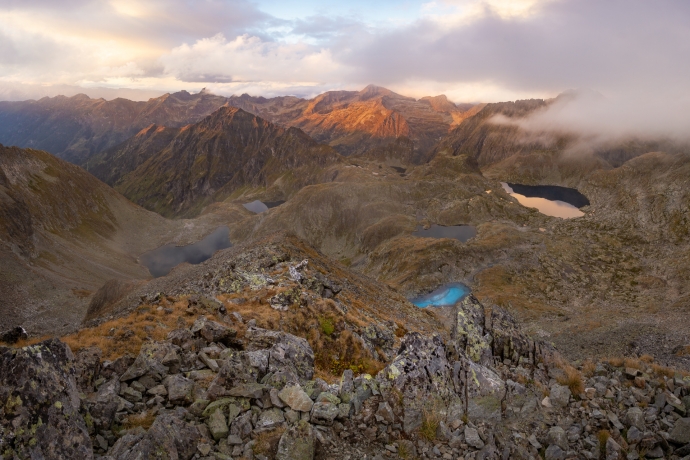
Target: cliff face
<point>177,171</point>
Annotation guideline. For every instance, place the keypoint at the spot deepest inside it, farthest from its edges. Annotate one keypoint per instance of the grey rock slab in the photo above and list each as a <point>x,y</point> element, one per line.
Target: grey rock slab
<point>681,431</point>
<point>324,413</point>
<point>635,417</point>
<point>559,395</point>
<point>472,438</point>
<point>297,443</point>
<point>168,434</point>
<point>557,436</point>
<point>554,453</point>
<point>296,398</point>
<point>217,425</point>
<point>179,389</point>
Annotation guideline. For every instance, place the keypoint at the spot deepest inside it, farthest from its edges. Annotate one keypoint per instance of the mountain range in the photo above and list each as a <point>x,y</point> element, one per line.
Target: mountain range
<point>359,172</point>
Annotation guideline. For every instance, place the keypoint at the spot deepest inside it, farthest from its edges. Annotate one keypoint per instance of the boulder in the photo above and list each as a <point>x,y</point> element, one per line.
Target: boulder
<point>169,438</point>
<point>297,443</point>
<point>324,413</point>
<point>270,419</point>
<point>296,398</point>
<point>212,331</point>
<point>40,400</point>
<point>286,351</point>
<point>217,424</point>
<point>559,395</point>
<point>150,361</point>
<point>681,431</point>
<point>179,389</point>
<point>14,335</point>
<point>485,391</point>
<point>467,333</point>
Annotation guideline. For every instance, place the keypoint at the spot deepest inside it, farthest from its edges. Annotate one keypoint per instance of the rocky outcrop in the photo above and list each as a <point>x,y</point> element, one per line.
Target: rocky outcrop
<point>39,416</point>
<point>190,396</point>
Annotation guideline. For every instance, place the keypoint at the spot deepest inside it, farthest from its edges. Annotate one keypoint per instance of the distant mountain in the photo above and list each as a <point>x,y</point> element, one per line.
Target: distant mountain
<point>177,171</point>
<point>75,128</point>
<point>354,122</point>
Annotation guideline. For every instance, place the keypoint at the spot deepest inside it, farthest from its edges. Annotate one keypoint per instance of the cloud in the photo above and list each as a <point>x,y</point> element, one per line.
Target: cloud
<point>250,59</point>
<point>599,121</point>
<point>473,50</point>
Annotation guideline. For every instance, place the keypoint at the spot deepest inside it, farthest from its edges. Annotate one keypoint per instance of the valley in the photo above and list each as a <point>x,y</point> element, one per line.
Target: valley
<point>376,182</point>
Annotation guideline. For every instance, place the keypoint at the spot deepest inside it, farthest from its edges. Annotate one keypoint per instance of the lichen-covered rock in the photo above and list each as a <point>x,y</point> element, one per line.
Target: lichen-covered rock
<point>467,334</point>
<point>169,438</point>
<point>212,331</point>
<point>296,398</point>
<point>485,391</point>
<point>217,424</point>
<point>420,369</point>
<point>40,415</point>
<point>87,367</point>
<point>286,351</point>
<point>324,413</point>
<point>297,443</point>
<point>179,389</point>
<point>152,360</point>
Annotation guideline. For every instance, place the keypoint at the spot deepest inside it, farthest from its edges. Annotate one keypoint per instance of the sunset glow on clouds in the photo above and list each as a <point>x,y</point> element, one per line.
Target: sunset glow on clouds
<point>471,50</point>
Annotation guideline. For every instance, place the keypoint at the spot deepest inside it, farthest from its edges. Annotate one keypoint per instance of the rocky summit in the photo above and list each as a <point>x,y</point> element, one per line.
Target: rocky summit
<point>208,382</point>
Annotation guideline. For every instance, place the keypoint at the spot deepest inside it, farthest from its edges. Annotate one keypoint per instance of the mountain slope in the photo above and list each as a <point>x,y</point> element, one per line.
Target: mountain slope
<point>74,128</point>
<point>354,122</point>
<point>177,171</point>
<point>63,234</point>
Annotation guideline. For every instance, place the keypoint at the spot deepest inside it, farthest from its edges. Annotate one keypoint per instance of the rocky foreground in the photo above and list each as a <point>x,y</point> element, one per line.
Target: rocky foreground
<point>211,391</point>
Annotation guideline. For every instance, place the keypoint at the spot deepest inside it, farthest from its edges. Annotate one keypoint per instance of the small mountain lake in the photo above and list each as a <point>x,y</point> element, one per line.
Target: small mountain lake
<point>160,261</point>
<point>444,296</point>
<point>258,207</point>
<point>550,200</point>
<point>458,232</point>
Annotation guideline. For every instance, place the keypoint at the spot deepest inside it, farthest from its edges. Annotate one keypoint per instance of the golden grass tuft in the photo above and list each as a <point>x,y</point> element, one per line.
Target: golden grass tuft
<point>144,420</point>
<point>588,368</point>
<point>572,379</point>
<point>633,363</point>
<point>647,359</point>
<point>603,436</point>
<point>615,362</point>
<point>663,370</point>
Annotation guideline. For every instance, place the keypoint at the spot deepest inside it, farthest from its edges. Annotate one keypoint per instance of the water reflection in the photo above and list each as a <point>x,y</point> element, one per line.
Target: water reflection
<point>458,232</point>
<point>446,295</point>
<point>255,206</point>
<point>160,261</point>
<point>553,208</point>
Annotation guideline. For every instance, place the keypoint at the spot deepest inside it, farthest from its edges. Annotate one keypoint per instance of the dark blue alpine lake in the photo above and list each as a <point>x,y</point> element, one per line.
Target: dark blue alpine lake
<point>160,261</point>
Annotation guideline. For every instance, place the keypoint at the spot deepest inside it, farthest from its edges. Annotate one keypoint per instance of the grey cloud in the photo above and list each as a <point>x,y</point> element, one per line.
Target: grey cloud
<point>585,43</point>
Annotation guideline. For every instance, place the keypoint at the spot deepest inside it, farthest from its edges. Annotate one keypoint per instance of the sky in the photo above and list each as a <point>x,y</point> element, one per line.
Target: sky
<point>470,50</point>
